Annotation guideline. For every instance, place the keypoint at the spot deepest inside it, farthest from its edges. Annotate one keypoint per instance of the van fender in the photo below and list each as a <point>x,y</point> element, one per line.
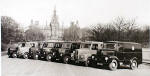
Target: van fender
<point>113,57</point>
<point>110,58</point>
<point>134,58</point>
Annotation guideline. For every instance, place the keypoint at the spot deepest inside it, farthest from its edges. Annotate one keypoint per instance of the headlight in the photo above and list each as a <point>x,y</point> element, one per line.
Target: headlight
<point>106,58</point>
<point>73,51</point>
<point>92,57</point>
<point>60,54</point>
<point>53,53</point>
<point>44,52</point>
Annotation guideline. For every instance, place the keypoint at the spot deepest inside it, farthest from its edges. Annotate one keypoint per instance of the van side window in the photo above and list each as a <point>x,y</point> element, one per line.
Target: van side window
<point>75,46</point>
<point>95,47</point>
<point>100,46</point>
<point>120,47</point>
<point>23,44</point>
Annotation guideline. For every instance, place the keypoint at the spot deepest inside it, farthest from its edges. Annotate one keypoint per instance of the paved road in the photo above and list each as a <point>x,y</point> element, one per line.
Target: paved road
<point>28,67</point>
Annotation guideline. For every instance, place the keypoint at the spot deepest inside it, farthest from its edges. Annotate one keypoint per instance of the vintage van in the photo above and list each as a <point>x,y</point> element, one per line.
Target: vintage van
<point>116,53</point>
<point>85,51</point>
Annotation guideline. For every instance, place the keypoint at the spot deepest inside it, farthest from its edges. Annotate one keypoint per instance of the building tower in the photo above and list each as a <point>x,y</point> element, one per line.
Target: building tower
<point>54,24</point>
<point>53,31</point>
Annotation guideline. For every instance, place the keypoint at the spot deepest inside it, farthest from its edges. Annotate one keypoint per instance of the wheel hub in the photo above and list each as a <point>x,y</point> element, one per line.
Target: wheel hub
<point>113,65</point>
<point>133,64</point>
<point>25,56</point>
<point>67,59</point>
<point>14,55</point>
<point>36,56</point>
<point>49,57</point>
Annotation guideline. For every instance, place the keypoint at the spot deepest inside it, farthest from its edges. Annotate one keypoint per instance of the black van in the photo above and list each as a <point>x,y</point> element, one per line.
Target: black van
<point>34,51</point>
<point>47,49</point>
<point>116,53</point>
<point>50,56</point>
<point>64,53</point>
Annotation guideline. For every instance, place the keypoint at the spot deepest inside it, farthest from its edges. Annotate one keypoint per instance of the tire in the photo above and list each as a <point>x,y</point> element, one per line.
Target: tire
<point>113,65</point>
<point>9,55</point>
<point>66,59</point>
<point>14,55</point>
<point>25,56</point>
<point>92,64</point>
<point>36,56</point>
<point>49,57</point>
<point>133,64</point>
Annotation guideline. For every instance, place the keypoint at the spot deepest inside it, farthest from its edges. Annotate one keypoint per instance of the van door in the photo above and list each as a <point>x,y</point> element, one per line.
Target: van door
<point>120,52</point>
<point>128,51</point>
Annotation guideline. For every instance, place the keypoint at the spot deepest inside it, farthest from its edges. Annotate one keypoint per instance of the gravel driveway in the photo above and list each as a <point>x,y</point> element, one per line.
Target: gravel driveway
<point>28,67</point>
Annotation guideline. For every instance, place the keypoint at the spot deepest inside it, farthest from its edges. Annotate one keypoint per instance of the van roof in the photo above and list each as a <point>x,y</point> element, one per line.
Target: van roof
<point>120,42</point>
<point>90,42</point>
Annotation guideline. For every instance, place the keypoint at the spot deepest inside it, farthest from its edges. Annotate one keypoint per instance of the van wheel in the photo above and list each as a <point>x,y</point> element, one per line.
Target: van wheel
<point>66,59</point>
<point>113,65</point>
<point>49,57</point>
<point>14,55</point>
<point>9,56</point>
<point>36,56</point>
<point>93,64</point>
<point>133,64</point>
<point>25,56</point>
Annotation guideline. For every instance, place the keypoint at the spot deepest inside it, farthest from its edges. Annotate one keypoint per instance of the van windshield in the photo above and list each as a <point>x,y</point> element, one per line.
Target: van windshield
<point>25,45</point>
<point>109,46</point>
<point>49,45</point>
<point>66,45</point>
<point>58,45</point>
<point>75,46</point>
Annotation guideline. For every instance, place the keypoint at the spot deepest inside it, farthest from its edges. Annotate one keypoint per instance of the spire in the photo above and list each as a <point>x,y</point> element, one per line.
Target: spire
<point>54,19</point>
<point>55,10</point>
<point>54,24</point>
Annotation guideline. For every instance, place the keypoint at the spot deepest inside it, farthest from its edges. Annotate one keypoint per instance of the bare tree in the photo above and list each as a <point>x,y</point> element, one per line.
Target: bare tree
<point>119,30</point>
<point>10,31</point>
<point>72,33</point>
<point>34,34</point>
<point>84,34</point>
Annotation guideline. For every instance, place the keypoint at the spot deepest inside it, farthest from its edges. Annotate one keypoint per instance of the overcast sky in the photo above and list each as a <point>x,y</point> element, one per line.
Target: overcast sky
<point>87,12</point>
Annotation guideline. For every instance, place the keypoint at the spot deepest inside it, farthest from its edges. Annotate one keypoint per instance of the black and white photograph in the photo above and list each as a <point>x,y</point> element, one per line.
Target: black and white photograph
<point>75,37</point>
